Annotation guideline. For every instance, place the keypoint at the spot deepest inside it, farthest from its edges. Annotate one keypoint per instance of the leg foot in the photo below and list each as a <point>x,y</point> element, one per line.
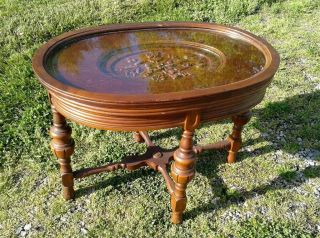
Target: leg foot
<point>235,137</point>
<point>182,171</point>
<point>62,146</point>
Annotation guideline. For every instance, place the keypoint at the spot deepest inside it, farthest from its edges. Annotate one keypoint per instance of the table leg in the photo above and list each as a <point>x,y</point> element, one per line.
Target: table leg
<point>62,146</point>
<point>182,171</point>
<point>137,137</point>
<point>235,138</point>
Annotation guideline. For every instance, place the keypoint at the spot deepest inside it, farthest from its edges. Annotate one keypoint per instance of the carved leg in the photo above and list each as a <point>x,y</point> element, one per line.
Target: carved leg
<point>182,169</point>
<point>235,137</point>
<point>137,137</point>
<point>62,146</point>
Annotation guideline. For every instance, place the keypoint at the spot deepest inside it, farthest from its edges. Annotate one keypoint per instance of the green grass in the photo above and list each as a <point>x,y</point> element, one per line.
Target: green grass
<point>271,192</point>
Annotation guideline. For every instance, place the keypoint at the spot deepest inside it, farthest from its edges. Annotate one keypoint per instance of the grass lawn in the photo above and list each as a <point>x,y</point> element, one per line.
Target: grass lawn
<point>272,191</point>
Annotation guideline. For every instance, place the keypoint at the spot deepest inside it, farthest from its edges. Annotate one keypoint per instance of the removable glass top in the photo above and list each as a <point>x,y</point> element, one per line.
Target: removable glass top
<point>154,61</point>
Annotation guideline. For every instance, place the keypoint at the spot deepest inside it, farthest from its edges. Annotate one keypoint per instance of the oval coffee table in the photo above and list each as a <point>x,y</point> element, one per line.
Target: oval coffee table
<point>148,76</point>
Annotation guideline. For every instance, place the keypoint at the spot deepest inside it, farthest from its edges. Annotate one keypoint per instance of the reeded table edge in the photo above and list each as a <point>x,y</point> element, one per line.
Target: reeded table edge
<point>271,56</point>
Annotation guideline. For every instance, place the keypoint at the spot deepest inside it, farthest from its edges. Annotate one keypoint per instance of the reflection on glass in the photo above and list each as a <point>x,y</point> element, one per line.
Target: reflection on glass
<point>154,61</point>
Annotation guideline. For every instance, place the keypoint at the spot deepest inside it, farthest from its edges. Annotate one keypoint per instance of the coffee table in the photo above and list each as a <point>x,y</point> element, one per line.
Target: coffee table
<point>148,76</point>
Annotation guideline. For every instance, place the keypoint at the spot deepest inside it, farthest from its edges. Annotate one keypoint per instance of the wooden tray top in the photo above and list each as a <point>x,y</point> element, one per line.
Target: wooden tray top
<point>149,75</point>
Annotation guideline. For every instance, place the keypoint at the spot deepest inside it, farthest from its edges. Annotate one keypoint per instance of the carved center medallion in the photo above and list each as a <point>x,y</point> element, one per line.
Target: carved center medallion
<point>161,61</point>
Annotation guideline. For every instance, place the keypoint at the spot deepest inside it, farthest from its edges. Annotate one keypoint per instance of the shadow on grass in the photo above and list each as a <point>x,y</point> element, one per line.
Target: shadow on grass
<point>285,180</point>
<point>115,181</point>
<point>296,117</point>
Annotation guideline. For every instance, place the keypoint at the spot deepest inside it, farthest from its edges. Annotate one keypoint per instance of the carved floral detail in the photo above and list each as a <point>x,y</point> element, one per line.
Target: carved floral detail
<point>160,66</point>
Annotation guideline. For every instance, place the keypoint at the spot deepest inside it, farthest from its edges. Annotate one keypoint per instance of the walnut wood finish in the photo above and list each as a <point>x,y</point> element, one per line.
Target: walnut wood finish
<point>235,137</point>
<point>62,146</point>
<point>224,144</point>
<point>137,137</point>
<point>140,112</point>
<point>155,157</point>
<point>182,170</point>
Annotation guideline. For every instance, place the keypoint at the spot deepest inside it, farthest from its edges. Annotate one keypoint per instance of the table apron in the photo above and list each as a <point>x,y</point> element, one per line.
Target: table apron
<point>101,116</point>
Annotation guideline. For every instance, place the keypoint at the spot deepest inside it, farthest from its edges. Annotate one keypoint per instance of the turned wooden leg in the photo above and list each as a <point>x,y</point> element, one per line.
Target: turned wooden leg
<point>235,138</point>
<point>182,171</point>
<point>62,146</point>
<point>142,136</point>
<point>137,137</point>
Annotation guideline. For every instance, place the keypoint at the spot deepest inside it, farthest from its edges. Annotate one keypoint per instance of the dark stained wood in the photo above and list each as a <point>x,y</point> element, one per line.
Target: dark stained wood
<point>148,76</point>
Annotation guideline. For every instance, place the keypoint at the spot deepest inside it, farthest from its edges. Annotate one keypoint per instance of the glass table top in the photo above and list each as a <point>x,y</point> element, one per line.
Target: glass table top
<point>153,61</point>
